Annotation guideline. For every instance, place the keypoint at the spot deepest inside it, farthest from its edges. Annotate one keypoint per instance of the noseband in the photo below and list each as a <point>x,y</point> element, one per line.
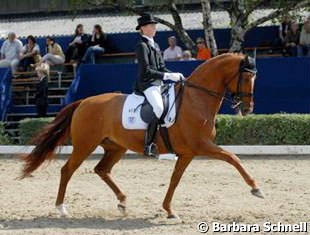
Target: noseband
<point>247,65</point>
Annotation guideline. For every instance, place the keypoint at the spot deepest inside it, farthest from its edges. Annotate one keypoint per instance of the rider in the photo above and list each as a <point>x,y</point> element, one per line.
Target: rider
<point>152,72</point>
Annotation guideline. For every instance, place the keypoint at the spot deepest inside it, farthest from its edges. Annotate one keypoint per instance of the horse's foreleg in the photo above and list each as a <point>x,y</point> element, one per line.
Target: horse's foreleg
<point>214,151</point>
<point>113,154</point>
<point>180,166</point>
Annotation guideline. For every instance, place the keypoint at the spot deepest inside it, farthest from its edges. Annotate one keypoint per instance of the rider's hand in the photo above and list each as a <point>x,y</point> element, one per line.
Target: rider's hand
<point>175,77</point>
<point>182,78</point>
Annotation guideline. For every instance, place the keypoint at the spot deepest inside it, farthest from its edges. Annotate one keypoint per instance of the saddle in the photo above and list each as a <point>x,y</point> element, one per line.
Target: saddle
<point>137,112</point>
<point>146,111</point>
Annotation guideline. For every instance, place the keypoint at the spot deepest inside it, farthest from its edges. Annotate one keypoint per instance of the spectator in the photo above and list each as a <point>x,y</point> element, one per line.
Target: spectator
<point>173,52</point>
<point>77,45</point>
<point>10,52</point>
<point>54,54</point>
<point>292,39</point>
<point>187,56</point>
<point>41,95</point>
<point>304,42</point>
<point>283,29</point>
<point>97,45</point>
<point>30,54</point>
<point>203,52</point>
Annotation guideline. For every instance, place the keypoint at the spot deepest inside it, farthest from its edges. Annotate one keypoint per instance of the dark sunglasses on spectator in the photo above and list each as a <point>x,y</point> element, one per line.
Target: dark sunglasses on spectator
<point>199,42</point>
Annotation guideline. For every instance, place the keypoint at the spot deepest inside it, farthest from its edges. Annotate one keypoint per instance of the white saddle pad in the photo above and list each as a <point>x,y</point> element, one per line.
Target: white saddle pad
<point>131,118</point>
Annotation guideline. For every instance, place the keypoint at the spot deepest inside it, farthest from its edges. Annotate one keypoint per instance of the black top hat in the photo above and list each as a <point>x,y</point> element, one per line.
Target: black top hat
<point>144,20</point>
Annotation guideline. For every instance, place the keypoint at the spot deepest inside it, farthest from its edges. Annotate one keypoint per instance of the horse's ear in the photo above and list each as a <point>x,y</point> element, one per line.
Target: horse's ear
<point>250,60</point>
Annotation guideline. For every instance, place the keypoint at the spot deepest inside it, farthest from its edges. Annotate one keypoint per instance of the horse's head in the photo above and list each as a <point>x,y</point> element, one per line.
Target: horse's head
<point>235,73</point>
<point>241,86</point>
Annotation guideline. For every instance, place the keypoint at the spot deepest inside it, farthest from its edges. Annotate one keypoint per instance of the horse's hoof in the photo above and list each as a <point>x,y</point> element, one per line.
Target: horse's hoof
<point>62,211</point>
<point>122,208</point>
<point>257,192</point>
<point>173,216</point>
<point>174,219</point>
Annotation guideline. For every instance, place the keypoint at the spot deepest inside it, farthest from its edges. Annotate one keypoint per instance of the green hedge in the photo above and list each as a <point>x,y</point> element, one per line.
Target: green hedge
<point>277,129</point>
<point>30,126</point>
<point>4,139</point>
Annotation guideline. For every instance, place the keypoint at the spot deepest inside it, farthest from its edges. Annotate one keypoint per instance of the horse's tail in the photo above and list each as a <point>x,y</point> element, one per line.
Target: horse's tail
<point>51,136</point>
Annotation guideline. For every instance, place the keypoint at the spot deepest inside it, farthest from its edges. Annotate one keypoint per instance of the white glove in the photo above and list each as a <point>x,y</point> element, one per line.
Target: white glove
<point>175,77</point>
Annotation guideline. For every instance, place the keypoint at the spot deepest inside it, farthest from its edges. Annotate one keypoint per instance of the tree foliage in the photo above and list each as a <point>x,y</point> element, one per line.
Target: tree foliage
<point>240,15</point>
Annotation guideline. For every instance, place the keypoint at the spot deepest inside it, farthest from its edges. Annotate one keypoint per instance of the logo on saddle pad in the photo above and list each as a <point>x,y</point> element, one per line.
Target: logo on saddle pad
<point>131,115</point>
<point>131,119</point>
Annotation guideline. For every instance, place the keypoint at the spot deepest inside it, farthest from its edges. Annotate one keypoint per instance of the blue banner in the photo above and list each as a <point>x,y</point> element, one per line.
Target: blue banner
<point>5,91</point>
<point>282,85</point>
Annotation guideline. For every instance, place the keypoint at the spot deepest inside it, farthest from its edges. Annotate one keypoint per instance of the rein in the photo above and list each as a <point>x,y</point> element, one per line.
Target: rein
<point>236,101</point>
<point>209,92</point>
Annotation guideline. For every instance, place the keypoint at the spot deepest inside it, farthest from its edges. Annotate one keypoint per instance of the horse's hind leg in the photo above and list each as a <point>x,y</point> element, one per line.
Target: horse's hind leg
<point>113,154</point>
<point>73,163</point>
<point>213,151</point>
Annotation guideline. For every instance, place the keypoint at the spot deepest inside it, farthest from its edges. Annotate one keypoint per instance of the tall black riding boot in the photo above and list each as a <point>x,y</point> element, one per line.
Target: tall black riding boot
<point>150,147</point>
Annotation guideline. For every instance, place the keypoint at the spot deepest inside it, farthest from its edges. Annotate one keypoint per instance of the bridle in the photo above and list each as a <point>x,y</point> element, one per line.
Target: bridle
<point>234,98</point>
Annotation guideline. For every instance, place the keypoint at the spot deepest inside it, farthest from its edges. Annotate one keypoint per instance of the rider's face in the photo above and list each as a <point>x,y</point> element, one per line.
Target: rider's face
<point>149,30</point>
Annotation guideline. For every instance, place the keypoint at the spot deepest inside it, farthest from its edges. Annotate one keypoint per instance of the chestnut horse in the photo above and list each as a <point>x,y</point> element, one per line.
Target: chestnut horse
<point>97,121</point>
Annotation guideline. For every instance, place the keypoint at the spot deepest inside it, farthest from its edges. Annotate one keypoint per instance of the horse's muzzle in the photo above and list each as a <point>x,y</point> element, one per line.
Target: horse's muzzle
<point>246,110</point>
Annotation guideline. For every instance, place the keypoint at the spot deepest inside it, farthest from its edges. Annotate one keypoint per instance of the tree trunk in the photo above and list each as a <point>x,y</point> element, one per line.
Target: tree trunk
<point>238,30</point>
<point>208,26</point>
<point>185,38</point>
<point>239,16</point>
<point>237,38</point>
<point>178,27</point>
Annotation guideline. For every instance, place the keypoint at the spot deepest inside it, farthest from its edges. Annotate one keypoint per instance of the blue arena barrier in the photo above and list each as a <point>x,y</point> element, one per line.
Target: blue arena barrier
<point>5,91</point>
<point>283,84</point>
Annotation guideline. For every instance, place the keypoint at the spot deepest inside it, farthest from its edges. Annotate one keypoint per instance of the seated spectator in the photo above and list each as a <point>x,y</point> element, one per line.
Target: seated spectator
<point>54,54</point>
<point>97,45</point>
<point>204,53</point>
<point>304,42</point>
<point>292,39</point>
<point>187,56</point>
<point>41,95</point>
<point>30,54</point>
<point>173,52</point>
<point>10,52</point>
<point>77,45</point>
<point>283,29</point>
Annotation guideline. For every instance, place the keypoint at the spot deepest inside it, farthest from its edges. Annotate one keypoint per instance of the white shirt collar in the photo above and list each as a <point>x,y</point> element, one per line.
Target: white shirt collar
<point>151,40</point>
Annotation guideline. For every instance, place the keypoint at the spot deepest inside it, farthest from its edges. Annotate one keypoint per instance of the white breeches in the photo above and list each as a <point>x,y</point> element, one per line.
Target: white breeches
<point>153,95</point>
<point>13,64</point>
<point>51,59</point>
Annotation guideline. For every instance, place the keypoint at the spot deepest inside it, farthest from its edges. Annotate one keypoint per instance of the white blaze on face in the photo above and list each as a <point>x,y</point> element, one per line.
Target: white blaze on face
<point>253,78</point>
<point>253,82</point>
